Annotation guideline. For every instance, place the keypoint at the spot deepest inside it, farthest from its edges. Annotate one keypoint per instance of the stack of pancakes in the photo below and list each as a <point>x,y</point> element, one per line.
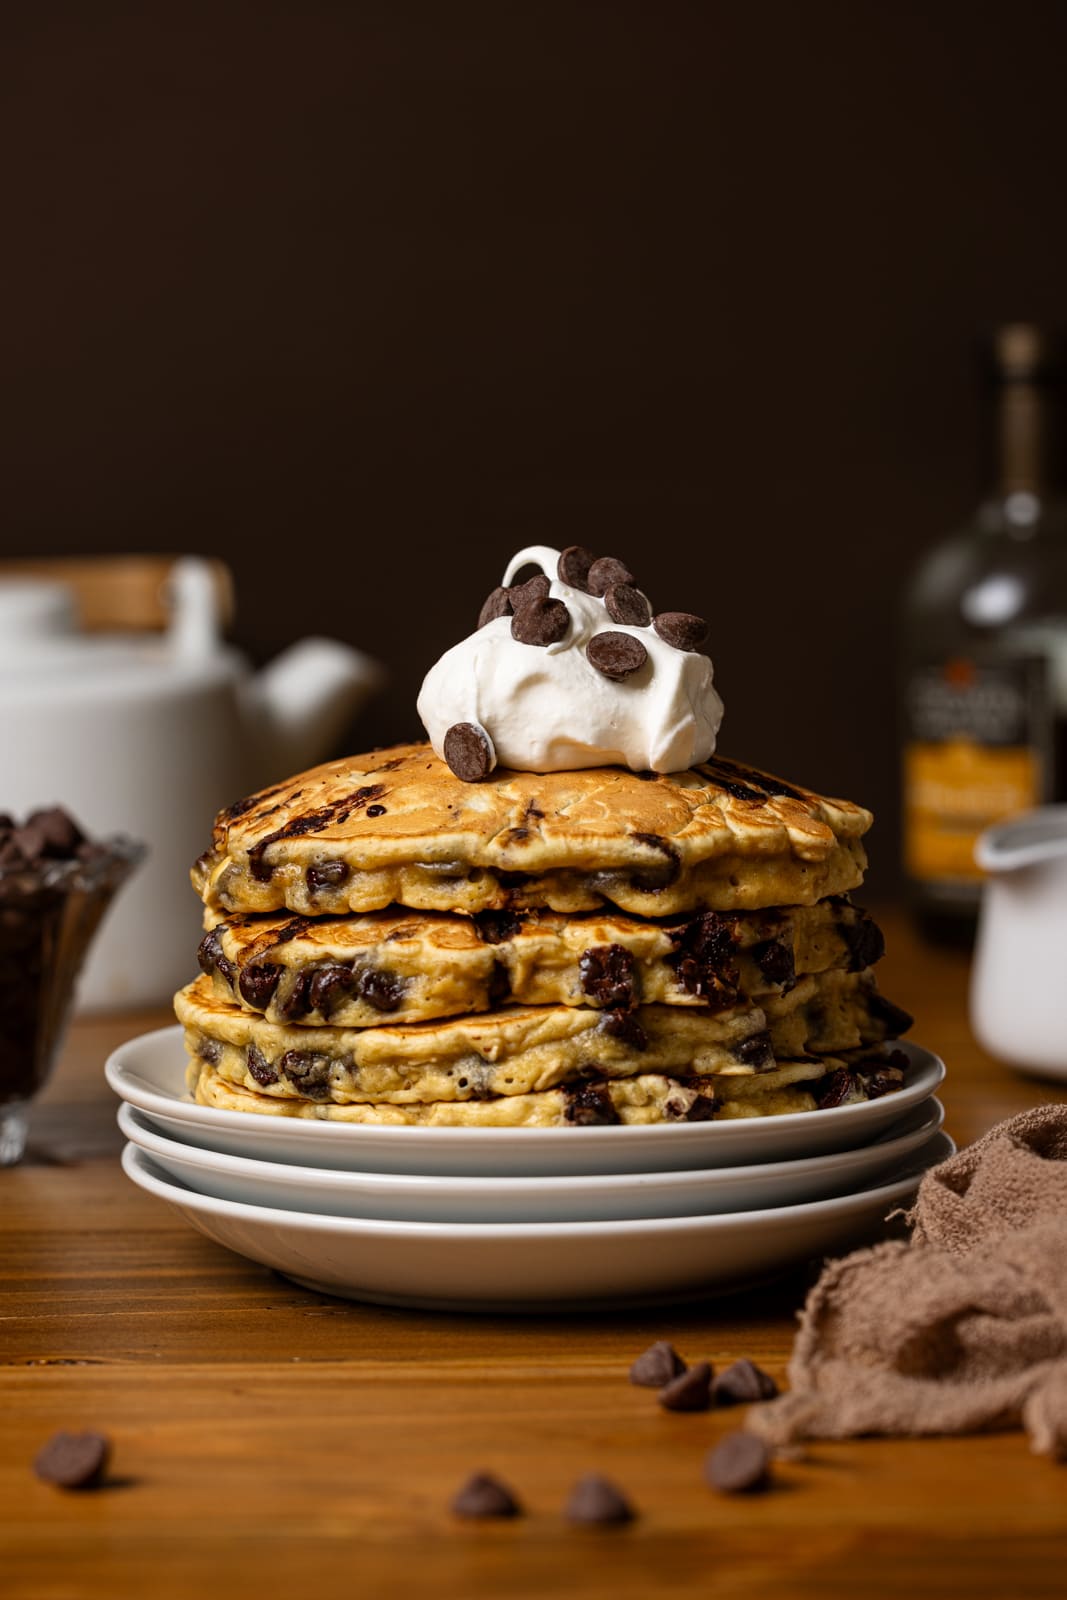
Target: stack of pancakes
<point>387,943</point>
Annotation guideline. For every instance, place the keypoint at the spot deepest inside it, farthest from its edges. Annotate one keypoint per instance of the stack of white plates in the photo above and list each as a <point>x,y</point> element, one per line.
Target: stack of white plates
<point>525,1218</point>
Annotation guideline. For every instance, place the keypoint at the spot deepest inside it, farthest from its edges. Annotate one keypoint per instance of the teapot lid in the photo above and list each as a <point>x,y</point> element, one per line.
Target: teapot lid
<point>43,649</point>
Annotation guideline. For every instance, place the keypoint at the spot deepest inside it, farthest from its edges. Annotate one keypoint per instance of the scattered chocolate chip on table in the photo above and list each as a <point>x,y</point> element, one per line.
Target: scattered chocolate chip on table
<point>73,1460</point>
<point>657,1365</point>
<point>690,1391</point>
<point>596,1500</point>
<point>485,1496</point>
<point>739,1464</point>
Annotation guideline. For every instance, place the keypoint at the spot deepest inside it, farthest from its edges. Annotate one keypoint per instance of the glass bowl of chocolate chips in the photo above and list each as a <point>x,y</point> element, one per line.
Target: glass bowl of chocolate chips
<point>55,886</point>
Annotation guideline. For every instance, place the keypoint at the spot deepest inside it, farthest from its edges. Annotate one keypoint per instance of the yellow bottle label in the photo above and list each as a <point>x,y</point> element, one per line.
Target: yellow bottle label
<point>955,789</point>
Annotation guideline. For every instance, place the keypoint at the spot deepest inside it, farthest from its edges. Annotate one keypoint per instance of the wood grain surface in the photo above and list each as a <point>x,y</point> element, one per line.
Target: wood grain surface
<point>268,1441</point>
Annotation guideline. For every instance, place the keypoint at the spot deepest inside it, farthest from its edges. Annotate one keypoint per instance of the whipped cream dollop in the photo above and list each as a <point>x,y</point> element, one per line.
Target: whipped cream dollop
<point>547,707</point>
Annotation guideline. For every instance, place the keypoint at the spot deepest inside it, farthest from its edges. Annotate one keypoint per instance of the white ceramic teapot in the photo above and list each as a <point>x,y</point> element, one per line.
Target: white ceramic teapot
<point>150,735</point>
<point>1019,979</point>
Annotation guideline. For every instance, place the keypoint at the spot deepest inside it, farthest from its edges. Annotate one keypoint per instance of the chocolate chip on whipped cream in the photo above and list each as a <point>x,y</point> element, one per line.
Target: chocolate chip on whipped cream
<point>535,588</point>
<point>497,605</point>
<point>573,567</point>
<point>607,572</point>
<point>540,621</point>
<point>681,629</point>
<point>624,603</point>
<point>616,655</point>
<point>586,696</point>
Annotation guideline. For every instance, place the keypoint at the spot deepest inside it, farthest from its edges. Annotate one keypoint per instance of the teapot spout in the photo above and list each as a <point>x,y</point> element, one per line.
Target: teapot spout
<point>302,701</point>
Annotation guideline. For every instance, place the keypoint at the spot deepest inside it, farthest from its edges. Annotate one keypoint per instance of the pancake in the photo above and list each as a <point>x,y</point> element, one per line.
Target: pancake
<point>403,966</point>
<point>399,827</point>
<point>647,1098</point>
<point>525,1049</point>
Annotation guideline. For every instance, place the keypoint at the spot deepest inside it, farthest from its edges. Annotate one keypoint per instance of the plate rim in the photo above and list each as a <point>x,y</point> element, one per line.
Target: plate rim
<point>520,1185</point>
<point>532,1232</point>
<point>118,1074</point>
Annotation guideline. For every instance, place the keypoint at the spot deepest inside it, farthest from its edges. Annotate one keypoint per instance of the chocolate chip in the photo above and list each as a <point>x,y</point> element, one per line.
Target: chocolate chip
<point>73,1460</point>
<point>606,573</point>
<point>753,785</point>
<point>494,927</point>
<point>541,622</point>
<point>211,959</point>
<point>596,1500</point>
<point>609,976</point>
<point>257,983</point>
<point>524,594</point>
<point>259,1067</point>
<point>881,1081</point>
<point>381,989</point>
<point>742,1384</point>
<point>657,1365</point>
<point>574,565</point>
<point>628,605</point>
<point>497,605</point>
<point>690,1391</point>
<point>833,1090</point>
<point>297,1003</point>
<point>663,876</point>
<point>702,1108</point>
<point>328,986</point>
<point>704,964</point>
<point>589,1105</point>
<point>756,1051</point>
<point>485,1496</point>
<point>740,1464</point>
<point>681,629</point>
<point>209,952</point>
<point>894,1019</point>
<point>864,941</point>
<point>468,752</point>
<point>10,854</point>
<point>326,875</point>
<point>692,1101</point>
<point>308,1070</point>
<point>624,1026</point>
<point>51,834</point>
<point>376,811</point>
<point>775,960</point>
<point>616,655</point>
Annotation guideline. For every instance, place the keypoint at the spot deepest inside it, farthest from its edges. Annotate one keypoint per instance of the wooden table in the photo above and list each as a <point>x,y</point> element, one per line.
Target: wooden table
<point>274,1442</point>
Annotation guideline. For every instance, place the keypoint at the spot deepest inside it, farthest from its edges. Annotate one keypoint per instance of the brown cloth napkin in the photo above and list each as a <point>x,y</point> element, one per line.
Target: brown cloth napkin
<point>959,1329</point>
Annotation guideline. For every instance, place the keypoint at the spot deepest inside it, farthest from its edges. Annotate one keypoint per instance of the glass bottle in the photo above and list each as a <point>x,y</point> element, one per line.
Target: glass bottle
<point>984,658</point>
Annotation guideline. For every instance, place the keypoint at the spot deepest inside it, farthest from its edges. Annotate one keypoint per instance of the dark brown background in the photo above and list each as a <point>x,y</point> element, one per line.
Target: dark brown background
<point>362,296</point>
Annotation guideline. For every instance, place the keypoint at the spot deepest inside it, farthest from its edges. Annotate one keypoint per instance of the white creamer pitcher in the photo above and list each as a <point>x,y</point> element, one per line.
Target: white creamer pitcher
<point>1019,979</point>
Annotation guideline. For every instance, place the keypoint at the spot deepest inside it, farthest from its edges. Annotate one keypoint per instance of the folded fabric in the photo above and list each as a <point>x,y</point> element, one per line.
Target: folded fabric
<point>961,1328</point>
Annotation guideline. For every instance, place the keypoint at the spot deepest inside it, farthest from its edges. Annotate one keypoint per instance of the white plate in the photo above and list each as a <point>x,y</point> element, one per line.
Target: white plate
<point>149,1073</point>
<point>602,1197</point>
<point>500,1266</point>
